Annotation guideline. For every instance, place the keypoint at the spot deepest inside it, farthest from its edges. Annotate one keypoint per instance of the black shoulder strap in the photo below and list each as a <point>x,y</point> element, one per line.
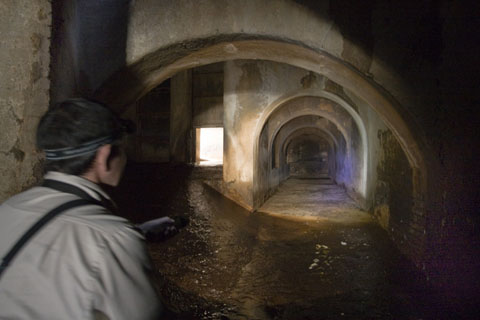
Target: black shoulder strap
<point>36,227</point>
<point>68,188</point>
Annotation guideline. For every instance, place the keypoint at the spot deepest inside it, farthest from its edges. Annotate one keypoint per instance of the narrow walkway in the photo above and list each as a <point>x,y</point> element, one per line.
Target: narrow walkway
<point>315,199</point>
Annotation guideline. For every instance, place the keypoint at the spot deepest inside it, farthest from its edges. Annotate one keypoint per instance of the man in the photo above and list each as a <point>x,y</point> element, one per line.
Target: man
<point>85,263</point>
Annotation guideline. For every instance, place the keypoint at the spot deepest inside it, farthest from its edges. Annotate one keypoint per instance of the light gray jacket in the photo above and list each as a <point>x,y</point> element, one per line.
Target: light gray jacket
<point>86,262</point>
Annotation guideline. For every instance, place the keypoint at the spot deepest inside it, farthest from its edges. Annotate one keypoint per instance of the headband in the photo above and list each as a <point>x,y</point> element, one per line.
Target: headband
<point>83,149</point>
<point>126,126</point>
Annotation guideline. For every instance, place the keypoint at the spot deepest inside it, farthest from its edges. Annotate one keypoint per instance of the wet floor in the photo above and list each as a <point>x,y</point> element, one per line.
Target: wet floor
<point>314,199</point>
<point>232,264</point>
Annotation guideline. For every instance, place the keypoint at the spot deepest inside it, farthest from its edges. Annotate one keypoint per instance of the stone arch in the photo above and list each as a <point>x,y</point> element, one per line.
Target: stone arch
<point>133,81</point>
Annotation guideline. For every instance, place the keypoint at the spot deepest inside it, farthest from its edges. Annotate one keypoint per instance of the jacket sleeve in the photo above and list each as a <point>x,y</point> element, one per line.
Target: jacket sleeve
<point>125,286</point>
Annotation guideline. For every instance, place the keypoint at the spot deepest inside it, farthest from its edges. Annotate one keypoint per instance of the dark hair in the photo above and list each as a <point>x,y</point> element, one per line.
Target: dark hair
<point>72,123</point>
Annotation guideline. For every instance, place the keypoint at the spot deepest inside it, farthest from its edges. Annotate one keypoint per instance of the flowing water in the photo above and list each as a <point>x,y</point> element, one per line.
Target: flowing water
<point>232,264</point>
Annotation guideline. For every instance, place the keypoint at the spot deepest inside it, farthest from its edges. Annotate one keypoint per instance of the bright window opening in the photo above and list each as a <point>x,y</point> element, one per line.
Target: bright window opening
<point>209,146</point>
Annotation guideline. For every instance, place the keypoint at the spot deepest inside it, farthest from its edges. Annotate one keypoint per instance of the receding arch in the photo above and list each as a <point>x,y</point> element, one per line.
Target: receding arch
<point>301,113</point>
<point>317,113</point>
<point>354,179</point>
<point>309,155</point>
<point>322,133</point>
<point>337,139</point>
<point>329,96</point>
<point>281,153</point>
<point>294,135</point>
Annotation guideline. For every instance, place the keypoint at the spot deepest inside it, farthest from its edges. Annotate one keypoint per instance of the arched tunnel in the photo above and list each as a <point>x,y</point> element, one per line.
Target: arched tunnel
<point>335,190</point>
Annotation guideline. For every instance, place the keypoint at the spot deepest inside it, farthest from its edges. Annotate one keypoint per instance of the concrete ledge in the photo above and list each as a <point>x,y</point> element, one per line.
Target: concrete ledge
<point>220,187</point>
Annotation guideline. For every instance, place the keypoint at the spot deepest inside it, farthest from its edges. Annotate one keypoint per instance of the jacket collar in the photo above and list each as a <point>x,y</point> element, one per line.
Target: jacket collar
<point>91,188</point>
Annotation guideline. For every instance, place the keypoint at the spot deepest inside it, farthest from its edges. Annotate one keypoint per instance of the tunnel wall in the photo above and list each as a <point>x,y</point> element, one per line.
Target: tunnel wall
<point>395,200</point>
<point>394,195</point>
<point>24,69</point>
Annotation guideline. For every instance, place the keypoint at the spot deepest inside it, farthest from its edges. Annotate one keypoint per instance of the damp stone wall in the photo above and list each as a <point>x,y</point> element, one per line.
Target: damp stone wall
<point>24,90</point>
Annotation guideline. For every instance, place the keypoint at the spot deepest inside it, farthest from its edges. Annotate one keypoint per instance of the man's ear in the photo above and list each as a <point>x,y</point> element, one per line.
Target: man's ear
<point>102,157</point>
<point>100,167</point>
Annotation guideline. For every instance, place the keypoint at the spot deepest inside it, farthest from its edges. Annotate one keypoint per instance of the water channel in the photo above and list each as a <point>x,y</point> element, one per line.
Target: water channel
<point>232,264</point>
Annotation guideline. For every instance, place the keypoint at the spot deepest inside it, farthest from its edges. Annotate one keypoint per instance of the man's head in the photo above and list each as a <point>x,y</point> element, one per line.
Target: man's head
<point>78,136</point>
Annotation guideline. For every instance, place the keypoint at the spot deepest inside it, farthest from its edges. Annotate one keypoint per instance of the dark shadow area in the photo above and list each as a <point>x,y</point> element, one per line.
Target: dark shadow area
<point>149,191</point>
<point>88,44</point>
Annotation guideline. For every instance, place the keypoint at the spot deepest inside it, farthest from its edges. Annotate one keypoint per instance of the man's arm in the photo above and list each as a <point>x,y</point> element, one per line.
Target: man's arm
<point>126,287</point>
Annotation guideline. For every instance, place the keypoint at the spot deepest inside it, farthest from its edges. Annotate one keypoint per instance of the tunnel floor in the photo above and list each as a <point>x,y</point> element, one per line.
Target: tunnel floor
<point>232,264</point>
<point>316,199</point>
